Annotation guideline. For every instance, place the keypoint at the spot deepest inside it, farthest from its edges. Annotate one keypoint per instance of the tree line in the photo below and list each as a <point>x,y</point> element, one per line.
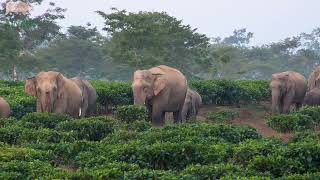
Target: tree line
<point>142,40</point>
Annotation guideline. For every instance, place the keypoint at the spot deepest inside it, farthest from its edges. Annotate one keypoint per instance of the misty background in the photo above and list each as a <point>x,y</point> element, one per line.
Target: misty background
<point>244,39</point>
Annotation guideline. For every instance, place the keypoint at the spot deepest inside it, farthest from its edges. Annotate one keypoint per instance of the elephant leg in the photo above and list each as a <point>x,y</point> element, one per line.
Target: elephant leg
<point>286,104</point>
<point>298,105</point>
<point>177,116</point>
<point>163,116</point>
<point>157,118</point>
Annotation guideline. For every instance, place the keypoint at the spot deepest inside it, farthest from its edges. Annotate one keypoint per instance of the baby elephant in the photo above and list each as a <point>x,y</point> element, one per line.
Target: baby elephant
<point>4,108</point>
<point>312,97</point>
<point>192,104</point>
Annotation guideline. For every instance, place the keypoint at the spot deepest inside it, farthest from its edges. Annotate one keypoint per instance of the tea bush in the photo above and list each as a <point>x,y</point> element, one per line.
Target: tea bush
<point>93,128</point>
<point>290,122</point>
<point>222,115</point>
<point>312,111</point>
<point>43,120</point>
<point>129,113</point>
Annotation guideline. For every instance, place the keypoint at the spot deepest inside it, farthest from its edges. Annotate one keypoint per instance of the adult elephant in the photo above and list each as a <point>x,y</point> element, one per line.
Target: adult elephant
<point>163,89</point>
<point>5,110</point>
<point>55,93</point>
<point>312,80</point>
<point>287,88</point>
<point>89,96</point>
<point>312,97</point>
<point>191,105</point>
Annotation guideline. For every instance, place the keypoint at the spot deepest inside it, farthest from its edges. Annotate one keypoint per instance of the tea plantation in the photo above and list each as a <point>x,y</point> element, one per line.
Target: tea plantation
<point>126,146</point>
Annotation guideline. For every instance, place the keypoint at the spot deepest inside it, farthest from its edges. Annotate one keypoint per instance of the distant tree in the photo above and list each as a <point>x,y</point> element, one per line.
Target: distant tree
<point>147,39</point>
<point>33,31</point>
<point>240,37</point>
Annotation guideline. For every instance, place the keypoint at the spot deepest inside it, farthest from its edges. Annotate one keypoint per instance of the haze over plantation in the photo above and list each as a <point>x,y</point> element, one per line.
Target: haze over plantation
<point>159,89</point>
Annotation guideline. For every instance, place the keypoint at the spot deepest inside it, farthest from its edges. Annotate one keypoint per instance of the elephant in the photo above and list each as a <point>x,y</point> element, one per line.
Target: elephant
<point>55,93</point>
<point>89,96</point>
<point>162,89</point>
<point>5,110</point>
<point>191,105</point>
<point>287,88</point>
<point>312,97</point>
<point>313,78</point>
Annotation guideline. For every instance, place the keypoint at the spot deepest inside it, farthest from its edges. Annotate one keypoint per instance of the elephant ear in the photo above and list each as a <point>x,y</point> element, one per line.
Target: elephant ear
<point>159,85</point>
<point>30,87</point>
<point>60,84</point>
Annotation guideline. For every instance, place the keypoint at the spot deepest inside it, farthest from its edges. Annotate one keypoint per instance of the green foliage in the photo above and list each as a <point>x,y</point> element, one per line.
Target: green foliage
<point>222,115</point>
<point>290,122</point>
<point>312,111</point>
<point>93,128</point>
<point>113,93</point>
<point>212,171</point>
<point>43,120</point>
<point>147,39</point>
<point>130,113</point>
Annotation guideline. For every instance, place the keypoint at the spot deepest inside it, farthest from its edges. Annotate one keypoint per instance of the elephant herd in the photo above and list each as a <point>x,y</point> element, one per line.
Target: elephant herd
<point>292,88</point>
<point>161,89</point>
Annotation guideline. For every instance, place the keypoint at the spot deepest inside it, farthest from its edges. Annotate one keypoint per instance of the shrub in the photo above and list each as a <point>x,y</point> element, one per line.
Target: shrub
<point>8,154</point>
<point>212,171</point>
<point>44,135</point>
<point>307,176</point>
<point>289,122</point>
<point>222,115</point>
<point>93,128</point>
<point>306,136</point>
<point>43,120</point>
<point>28,170</point>
<point>21,105</point>
<point>276,165</point>
<point>139,126</point>
<point>312,111</point>
<point>151,174</point>
<point>246,150</point>
<point>129,113</point>
<point>113,93</point>
<point>10,134</point>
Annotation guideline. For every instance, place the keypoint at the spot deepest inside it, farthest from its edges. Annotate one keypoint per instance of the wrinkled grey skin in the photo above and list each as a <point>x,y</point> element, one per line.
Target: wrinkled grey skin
<point>162,89</point>
<point>92,98</point>
<point>191,105</point>
<point>55,93</point>
<point>287,88</point>
<point>89,96</point>
<point>4,108</point>
<point>312,97</point>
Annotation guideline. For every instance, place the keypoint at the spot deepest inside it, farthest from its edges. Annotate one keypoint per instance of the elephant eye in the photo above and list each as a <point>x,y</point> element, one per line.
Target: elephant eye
<point>54,89</point>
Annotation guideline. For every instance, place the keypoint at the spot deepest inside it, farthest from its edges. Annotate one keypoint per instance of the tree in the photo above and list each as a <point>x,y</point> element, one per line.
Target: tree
<point>10,45</point>
<point>240,37</point>
<point>147,39</point>
<point>33,31</point>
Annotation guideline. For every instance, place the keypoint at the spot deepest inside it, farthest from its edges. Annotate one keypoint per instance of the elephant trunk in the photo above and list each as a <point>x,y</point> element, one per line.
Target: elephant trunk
<point>275,101</point>
<point>47,103</point>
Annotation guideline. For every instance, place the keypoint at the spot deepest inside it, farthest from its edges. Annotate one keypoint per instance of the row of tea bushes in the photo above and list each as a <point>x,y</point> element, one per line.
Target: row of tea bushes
<point>304,118</point>
<point>48,146</point>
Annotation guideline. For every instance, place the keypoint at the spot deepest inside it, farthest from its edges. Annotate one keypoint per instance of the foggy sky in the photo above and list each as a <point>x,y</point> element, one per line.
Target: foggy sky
<point>269,20</point>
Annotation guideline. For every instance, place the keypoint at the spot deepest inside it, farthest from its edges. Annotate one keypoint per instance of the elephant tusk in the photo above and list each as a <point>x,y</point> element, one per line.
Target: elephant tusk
<point>80,112</point>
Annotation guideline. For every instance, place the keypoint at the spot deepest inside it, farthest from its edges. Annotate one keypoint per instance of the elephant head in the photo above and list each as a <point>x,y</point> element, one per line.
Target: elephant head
<point>278,85</point>
<point>47,87</point>
<point>146,85</point>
